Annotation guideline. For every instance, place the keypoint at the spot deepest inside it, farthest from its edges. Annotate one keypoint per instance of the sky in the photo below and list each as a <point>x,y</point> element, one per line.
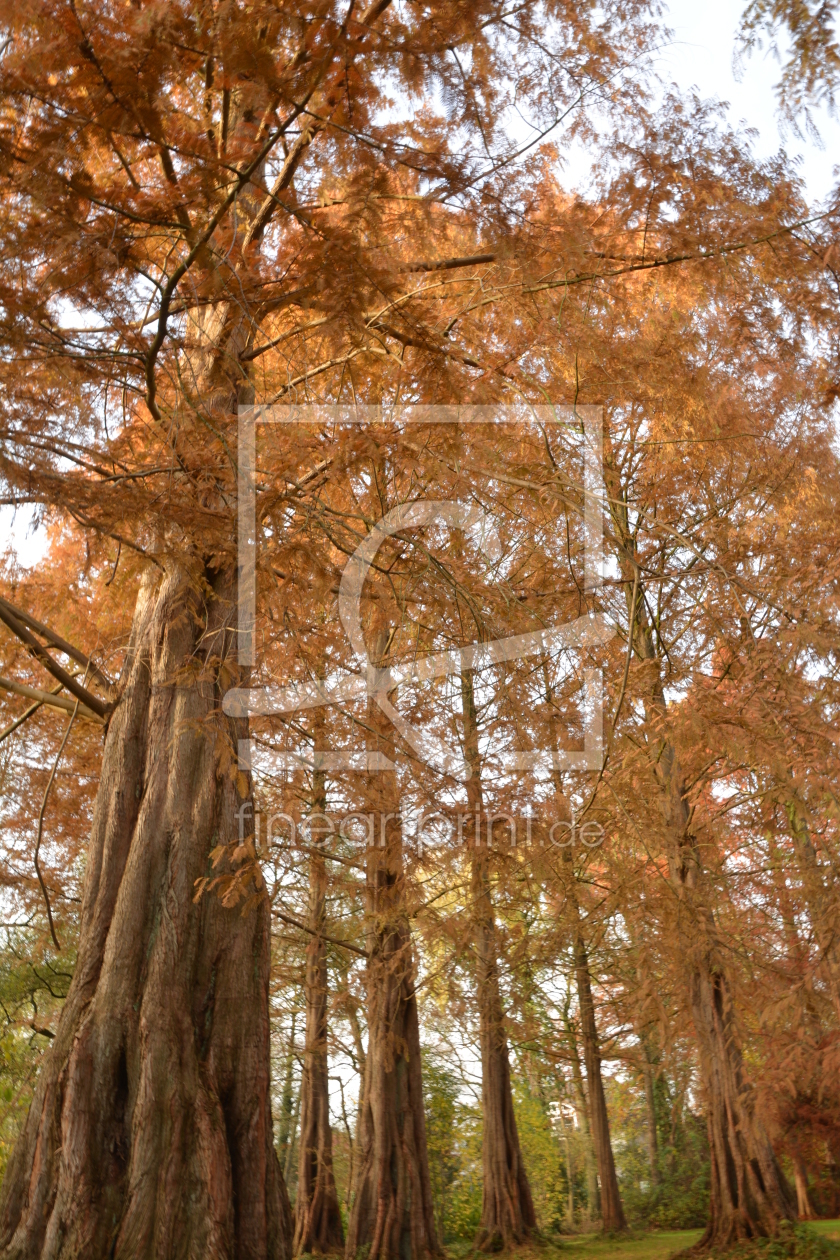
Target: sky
<point>700,55</point>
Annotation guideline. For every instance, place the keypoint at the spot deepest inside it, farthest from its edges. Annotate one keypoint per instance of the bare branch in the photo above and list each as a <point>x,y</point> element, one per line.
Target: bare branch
<point>450,264</point>
<point>46,697</point>
<point>61,644</point>
<point>50,782</point>
<point>37,650</point>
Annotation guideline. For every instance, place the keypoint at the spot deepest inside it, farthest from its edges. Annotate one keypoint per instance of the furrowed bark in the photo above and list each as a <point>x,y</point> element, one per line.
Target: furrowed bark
<point>507,1208</point>
<point>392,1210</point>
<point>318,1225</point>
<point>149,1134</point>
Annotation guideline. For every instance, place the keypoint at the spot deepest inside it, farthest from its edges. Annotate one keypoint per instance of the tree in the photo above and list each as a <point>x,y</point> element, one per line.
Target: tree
<point>318,1225</point>
<point>226,208</point>
<point>507,1209</point>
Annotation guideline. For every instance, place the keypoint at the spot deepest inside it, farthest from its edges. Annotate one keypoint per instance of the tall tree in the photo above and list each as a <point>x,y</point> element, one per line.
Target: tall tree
<point>507,1208</point>
<point>146,163</point>
<point>392,1210</point>
<point>318,1224</point>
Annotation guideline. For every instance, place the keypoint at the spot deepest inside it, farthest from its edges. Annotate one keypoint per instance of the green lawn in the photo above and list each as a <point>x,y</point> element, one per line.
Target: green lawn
<point>827,1229</point>
<point>658,1245</point>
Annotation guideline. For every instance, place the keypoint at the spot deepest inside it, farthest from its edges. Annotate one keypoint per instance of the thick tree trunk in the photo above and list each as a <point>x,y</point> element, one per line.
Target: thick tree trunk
<point>507,1208</point>
<point>612,1212</point>
<point>318,1225</point>
<point>392,1210</point>
<point>149,1135</point>
<point>749,1195</point>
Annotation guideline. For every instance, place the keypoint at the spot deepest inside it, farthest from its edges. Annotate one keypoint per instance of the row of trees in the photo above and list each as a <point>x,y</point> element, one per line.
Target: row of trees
<point>215,210</point>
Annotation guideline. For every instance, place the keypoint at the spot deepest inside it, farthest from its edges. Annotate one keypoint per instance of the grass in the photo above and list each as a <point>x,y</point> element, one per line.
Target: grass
<point>827,1229</point>
<point>655,1245</point>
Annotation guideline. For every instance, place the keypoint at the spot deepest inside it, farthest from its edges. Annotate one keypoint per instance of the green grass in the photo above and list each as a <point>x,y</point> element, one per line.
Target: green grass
<point>827,1229</point>
<point>656,1245</point>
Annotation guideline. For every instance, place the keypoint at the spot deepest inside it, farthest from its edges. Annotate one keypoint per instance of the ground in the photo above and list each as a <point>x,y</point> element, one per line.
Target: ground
<point>658,1245</point>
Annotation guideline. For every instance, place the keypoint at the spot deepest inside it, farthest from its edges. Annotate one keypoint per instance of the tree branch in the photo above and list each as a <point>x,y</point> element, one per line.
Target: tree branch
<point>50,782</point>
<point>25,716</point>
<point>450,264</point>
<point>50,698</point>
<point>332,940</point>
<point>61,644</point>
<point>37,650</point>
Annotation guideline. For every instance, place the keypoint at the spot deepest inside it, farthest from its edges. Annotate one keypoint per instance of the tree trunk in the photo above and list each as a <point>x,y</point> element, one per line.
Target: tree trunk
<point>149,1134</point>
<point>287,1101</point>
<point>612,1212</point>
<point>570,1209</point>
<point>507,1208</point>
<point>749,1194</point>
<point>804,1210</point>
<point>593,1194</point>
<point>392,1210</point>
<point>318,1225</point>
<point>608,1200</point>
<point>650,1108</point>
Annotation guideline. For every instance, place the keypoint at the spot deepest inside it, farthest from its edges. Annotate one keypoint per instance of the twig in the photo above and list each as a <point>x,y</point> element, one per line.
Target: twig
<point>51,698</point>
<point>57,641</point>
<point>38,650</point>
<point>620,701</point>
<point>331,940</point>
<point>27,713</point>
<point>41,826</point>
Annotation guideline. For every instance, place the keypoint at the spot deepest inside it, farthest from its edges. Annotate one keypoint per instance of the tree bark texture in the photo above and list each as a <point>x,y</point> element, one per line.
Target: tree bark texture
<point>605,1198</point>
<point>392,1210</point>
<point>507,1208</point>
<point>149,1134</point>
<point>318,1226</point>
<point>287,1100</point>
<point>749,1194</point>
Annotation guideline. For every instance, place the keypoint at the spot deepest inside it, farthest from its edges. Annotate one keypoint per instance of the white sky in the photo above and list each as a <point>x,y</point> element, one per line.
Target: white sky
<point>701,56</point>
